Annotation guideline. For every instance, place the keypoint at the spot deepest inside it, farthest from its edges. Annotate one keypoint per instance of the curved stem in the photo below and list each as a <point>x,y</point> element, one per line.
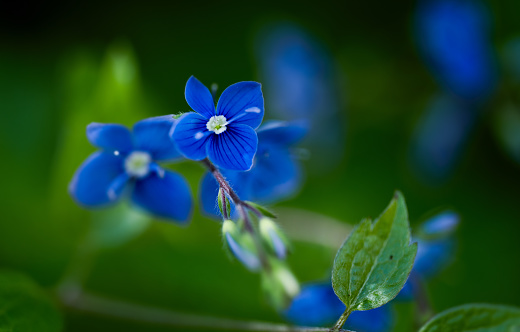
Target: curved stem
<point>341,321</point>
<point>107,307</point>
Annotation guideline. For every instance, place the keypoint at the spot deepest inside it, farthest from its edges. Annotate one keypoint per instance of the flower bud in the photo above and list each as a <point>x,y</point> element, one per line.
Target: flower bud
<point>241,245</point>
<point>279,285</point>
<point>274,238</point>
<point>221,199</point>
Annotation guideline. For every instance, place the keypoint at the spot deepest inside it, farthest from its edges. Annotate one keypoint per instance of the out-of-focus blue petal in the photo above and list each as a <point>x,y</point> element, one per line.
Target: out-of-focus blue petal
<point>110,137</point>
<point>455,40</point>
<point>117,186</point>
<point>152,135</point>
<point>242,103</point>
<point>442,224</point>
<point>191,136</point>
<point>440,137</point>
<point>91,182</point>
<point>282,132</point>
<point>199,98</point>
<point>275,174</point>
<point>316,305</point>
<point>243,255</point>
<point>376,320</point>
<point>407,292</point>
<point>300,81</point>
<point>234,149</point>
<point>165,197</point>
<point>433,256</point>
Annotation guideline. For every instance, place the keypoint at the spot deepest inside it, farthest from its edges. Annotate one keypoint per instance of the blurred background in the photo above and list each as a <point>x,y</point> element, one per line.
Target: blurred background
<point>419,96</point>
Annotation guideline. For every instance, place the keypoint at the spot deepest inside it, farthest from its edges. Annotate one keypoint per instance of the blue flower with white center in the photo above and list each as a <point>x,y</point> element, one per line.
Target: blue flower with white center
<point>127,164</point>
<point>275,174</point>
<point>318,305</point>
<point>224,134</point>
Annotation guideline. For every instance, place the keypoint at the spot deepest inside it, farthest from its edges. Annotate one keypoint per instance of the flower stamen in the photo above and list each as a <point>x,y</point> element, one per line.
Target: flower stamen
<point>217,124</point>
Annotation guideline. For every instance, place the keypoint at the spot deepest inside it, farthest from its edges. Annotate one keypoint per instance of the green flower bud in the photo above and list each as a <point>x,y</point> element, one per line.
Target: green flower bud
<point>274,238</point>
<point>241,245</point>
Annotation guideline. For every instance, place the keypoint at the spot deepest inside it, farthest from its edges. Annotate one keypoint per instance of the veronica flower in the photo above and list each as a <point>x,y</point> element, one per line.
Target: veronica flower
<point>127,165</point>
<point>318,305</point>
<point>226,133</point>
<point>275,174</point>
<point>454,38</point>
<point>436,247</point>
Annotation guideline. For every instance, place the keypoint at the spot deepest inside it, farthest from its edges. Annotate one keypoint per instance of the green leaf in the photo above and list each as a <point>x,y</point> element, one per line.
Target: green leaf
<point>24,307</point>
<point>475,317</point>
<point>265,211</point>
<point>374,262</point>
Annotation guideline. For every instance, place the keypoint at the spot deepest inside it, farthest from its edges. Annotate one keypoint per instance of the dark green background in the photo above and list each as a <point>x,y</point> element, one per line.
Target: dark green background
<point>56,77</point>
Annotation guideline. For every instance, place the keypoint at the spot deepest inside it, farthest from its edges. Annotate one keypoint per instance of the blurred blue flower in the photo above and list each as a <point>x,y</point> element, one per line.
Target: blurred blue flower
<point>440,137</point>
<point>454,38</point>
<point>301,83</point>
<point>225,134</point>
<point>127,163</point>
<point>436,247</point>
<point>318,305</point>
<point>275,174</point>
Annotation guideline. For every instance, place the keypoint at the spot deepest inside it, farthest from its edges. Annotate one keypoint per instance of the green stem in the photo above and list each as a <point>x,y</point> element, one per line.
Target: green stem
<point>107,307</point>
<point>341,321</point>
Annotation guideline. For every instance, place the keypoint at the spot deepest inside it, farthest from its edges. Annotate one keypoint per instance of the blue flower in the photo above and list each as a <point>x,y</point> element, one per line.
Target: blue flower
<point>436,246</point>
<point>275,174</point>
<point>127,164</point>
<point>318,305</point>
<point>225,134</point>
<point>454,38</point>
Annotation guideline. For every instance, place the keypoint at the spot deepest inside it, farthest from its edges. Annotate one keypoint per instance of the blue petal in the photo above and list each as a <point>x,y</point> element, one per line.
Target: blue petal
<point>208,195</point>
<point>110,137</point>
<point>234,149</point>
<point>165,197</point>
<point>199,98</point>
<point>242,103</point>
<point>433,256</point>
<point>443,224</point>
<point>375,320</point>
<point>316,305</point>
<point>93,179</point>
<point>275,175</point>
<point>152,135</point>
<point>281,132</point>
<point>191,135</point>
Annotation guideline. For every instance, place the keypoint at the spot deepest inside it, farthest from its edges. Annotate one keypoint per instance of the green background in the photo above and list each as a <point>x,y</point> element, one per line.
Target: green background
<point>64,65</point>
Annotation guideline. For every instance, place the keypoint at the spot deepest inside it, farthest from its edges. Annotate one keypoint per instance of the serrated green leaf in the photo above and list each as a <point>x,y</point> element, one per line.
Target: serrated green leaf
<point>374,262</point>
<point>265,211</point>
<point>24,307</point>
<point>475,317</point>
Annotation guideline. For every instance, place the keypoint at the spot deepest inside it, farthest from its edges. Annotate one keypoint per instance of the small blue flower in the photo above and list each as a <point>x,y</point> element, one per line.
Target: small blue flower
<point>454,38</point>
<point>225,134</point>
<point>436,246</point>
<point>275,174</point>
<point>127,163</point>
<point>318,305</point>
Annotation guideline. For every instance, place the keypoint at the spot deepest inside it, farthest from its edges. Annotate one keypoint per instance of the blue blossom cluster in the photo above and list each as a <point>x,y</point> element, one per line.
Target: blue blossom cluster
<point>318,305</point>
<point>453,37</point>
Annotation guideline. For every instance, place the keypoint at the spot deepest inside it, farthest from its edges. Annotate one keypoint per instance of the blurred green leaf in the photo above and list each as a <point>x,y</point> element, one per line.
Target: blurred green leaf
<point>373,264</point>
<point>475,317</point>
<point>24,307</point>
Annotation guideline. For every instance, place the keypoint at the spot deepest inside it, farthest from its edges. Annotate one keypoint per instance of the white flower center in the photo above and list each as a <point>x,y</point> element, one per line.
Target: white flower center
<point>137,164</point>
<point>217,124</point>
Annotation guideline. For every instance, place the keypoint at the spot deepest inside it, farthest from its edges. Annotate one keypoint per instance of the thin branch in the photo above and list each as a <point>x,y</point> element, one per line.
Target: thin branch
<point>90,303</point>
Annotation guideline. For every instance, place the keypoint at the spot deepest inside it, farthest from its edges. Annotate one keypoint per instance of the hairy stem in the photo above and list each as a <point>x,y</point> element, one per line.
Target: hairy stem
<point>341,321</point>
<point>113,308</point>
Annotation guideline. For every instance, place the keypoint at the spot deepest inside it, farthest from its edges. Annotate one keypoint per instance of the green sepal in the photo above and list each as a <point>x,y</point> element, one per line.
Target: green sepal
<point>177,116</point>
<point>475,317</point>
<point>374,262</point>
<point>222,196</point>
<point>265,211</point>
